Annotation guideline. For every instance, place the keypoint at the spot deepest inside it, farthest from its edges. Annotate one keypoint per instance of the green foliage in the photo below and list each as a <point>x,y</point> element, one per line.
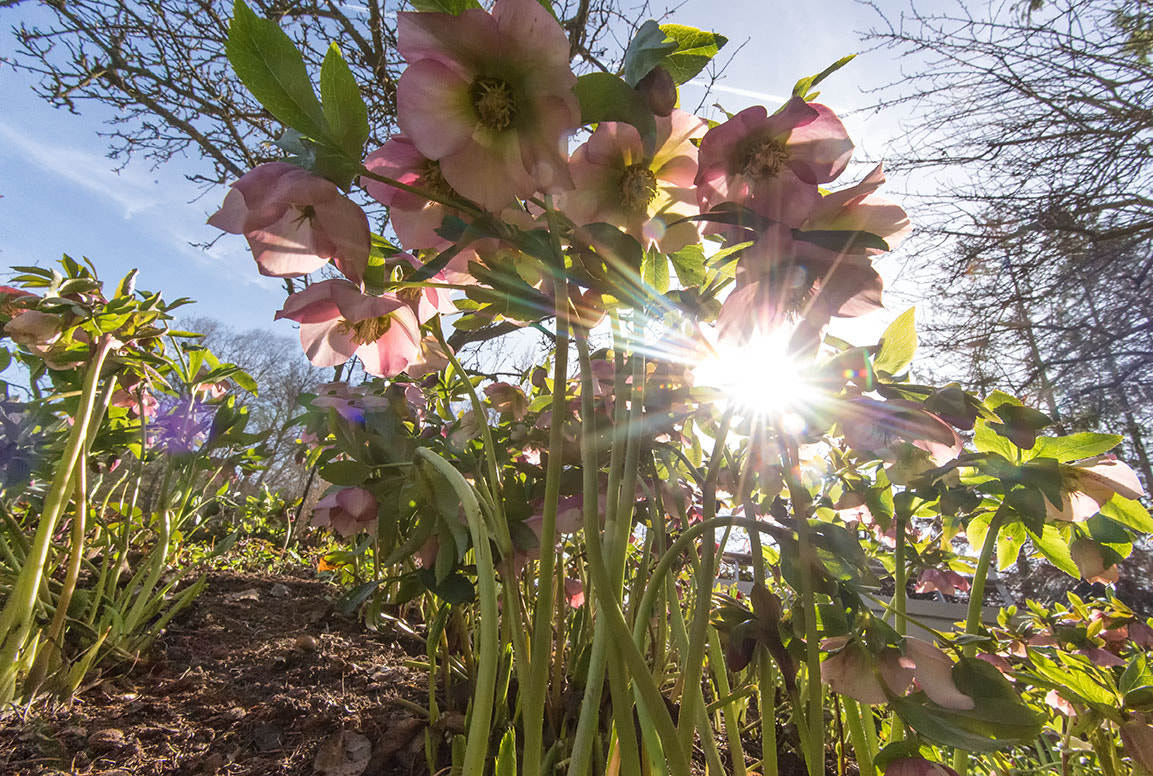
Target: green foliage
<point>605,97</point>
<point>898,344</point>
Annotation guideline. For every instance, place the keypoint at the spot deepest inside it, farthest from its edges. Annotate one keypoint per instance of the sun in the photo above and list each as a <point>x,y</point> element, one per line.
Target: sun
<point>760,376</point>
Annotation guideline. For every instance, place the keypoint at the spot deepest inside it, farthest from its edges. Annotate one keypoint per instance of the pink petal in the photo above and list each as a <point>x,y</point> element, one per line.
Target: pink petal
<point>934,673</point>
<point>230,217</point>
<point>435,110</point>
<point>819,150</point>
<point>400,160</point>
<point>359,503</point>
<point>536,34</point>
<point>457,40</point>
<point>492,175</point>
<point>285,247</point>
<point>392,353</point>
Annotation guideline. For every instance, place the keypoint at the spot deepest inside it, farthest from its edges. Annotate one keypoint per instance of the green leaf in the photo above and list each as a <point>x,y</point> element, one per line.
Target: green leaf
<point>605,97</point>
<point>1053,545</point>
<point>898,344</point>
<point>1076,446</point>
<point>804,86</point>
<point>694,50</point>
<point>655,270</point>
<point>344,106</point>
<point>506,756</point>
<point>841,240</point>
<point>689,264</point>
<point>270,66</point>
<point>1128,513</point>
<point>646,50</point>
<point>987,440</point>
<point>453,7</point>
<point>349,473</point>
<point>1010,539</point>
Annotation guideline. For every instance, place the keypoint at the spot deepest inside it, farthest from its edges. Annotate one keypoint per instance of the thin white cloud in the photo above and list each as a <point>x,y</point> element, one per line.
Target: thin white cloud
<point>736,91</point>
<point>129,190</point>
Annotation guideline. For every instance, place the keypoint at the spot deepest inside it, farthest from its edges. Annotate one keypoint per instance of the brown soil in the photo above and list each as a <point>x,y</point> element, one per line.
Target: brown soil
<point>259,676</point>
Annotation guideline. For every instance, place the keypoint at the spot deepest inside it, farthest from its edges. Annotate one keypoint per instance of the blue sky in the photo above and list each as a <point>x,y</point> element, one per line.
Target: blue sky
<point>62,195</point>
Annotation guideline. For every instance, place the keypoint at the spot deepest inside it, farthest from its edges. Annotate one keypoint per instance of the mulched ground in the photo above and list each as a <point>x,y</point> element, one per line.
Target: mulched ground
<point>259,676</point>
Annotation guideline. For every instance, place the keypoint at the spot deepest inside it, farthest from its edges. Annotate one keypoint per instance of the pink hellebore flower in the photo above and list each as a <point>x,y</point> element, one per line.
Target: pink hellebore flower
<point>879,426</point>
<point>490,98</point>
<point>779,278</point>
<point>617,184</point>
<point>947,582</point>
<point>34,329</point>
<point>295,222</point>
<point>1089,484</point>
<point>773,164</point>
<point>337,321</point>
<point>850,672</point>
<point>857,209</point>
<point>348,511</point>
<point>414,218</point>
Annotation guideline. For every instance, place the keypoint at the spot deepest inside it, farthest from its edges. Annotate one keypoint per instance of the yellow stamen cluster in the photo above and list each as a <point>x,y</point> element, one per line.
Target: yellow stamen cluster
<point>638,187</point>
<point>763,159</point>
<point>367,331</point>
<point>494,102</point>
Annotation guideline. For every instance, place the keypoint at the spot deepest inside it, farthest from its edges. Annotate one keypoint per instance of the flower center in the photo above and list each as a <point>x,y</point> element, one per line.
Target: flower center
<point>763,159</point>
<point>366,331</point>
<point>638,187</point>
<point>410,295</point>
<point>432,180</point>
<point>494,102</point>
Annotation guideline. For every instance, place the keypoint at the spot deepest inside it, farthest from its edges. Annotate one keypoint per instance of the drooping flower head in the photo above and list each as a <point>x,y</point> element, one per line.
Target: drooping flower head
<point>295,222</point>
<point>489,97</point>
<point>414,218</point>
<point>773,164</point>
<point>780,277</point>
<point>337,321</point>
<point>348,511</point>
<point>617,183</point>
<point>1089,484</point>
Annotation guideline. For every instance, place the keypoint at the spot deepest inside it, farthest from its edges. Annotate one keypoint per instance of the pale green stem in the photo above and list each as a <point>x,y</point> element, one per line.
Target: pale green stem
<point>900,594</point>
<point>729,712</point>
<point>649,696</point>
<point>16,619</point>
<point>806,558</point>
<point>864,754</point>
<point>488,655</point>
<point>537,686</point>
<point>976,603</point>
<point>706,572</point>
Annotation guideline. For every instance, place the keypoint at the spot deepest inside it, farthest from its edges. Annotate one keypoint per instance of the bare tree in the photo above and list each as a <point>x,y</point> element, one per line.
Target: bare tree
<point>282,373</point>
<point>1029,149</point>
<point>160,65</point>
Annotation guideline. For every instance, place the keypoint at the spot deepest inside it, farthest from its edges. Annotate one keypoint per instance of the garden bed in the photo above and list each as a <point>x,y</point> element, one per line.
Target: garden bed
<point>255,678</point>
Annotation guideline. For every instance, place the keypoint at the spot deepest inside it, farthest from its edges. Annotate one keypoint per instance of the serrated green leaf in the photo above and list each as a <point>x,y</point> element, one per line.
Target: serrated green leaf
<point>987,440</point>
<point>1128,513</point>
<point>898,344</point>
<point>689,264</point>
<point>646,50</point>
<point>1075,446</point>
<point>1052,544</point>
<point>655,270</point>
<point>694,50</point>
<point>343,104</point>
<point>271,67</point>
<point>804,86</point>
<point>605,97</point>
<point>1010,539</point>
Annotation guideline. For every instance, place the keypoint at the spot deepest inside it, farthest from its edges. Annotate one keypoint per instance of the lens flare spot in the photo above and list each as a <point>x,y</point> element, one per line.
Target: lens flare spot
<point>759,375</point>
